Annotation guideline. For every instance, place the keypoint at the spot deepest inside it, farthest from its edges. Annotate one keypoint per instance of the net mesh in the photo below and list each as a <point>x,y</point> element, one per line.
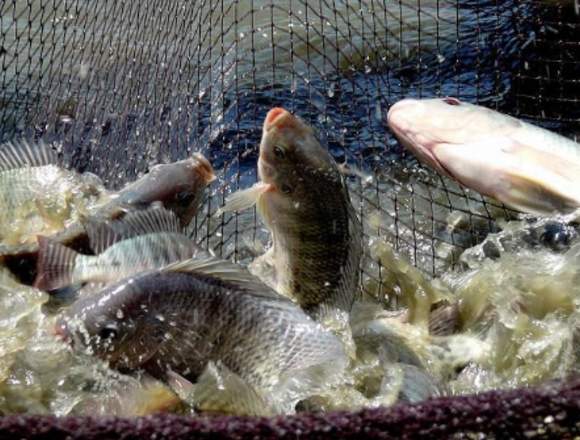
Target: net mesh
<point>121,85</point>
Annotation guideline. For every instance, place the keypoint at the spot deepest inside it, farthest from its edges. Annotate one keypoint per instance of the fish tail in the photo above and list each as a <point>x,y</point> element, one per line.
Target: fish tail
<point>55,265</point>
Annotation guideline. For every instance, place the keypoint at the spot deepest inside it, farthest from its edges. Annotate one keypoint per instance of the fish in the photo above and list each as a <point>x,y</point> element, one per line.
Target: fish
<point>303,199</point>
<point>36,194</point>
<point>140,241</point>
<point>181,317</point>
<point>178,187</point>
<point>526,167</point>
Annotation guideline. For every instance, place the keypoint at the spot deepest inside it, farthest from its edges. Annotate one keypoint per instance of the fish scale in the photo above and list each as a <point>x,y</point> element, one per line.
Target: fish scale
<point>304,202</point>
<point>124,254</point>
<point>140,253</point>
<point>179,319</point>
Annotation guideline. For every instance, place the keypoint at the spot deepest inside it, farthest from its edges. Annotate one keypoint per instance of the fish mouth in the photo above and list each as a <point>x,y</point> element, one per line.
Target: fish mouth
<point>423,149</point>
<point>204,168</point>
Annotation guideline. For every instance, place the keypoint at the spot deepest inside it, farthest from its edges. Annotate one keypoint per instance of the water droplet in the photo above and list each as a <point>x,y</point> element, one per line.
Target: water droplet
<point>331,90</point>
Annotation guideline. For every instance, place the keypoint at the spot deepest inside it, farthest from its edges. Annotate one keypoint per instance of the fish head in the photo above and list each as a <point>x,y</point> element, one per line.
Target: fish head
<point>179,186</point>
<point>194,175</point>
<point>423,125</point>
<point>293,162</point>
<point>114,325</point>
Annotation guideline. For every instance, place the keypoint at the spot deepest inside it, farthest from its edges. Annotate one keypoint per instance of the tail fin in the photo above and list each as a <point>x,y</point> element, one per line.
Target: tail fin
<point>55,265</point>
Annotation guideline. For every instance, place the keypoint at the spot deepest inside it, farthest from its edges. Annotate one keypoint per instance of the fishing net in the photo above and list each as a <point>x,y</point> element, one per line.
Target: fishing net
<point>121,85</point>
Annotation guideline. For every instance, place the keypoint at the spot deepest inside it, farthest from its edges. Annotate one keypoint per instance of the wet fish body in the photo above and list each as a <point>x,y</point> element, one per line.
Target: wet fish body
<point>304,201</point>
<point>179,186</point>
<point>526,167</point>
<point>141,241</point>
<point>180,318</point>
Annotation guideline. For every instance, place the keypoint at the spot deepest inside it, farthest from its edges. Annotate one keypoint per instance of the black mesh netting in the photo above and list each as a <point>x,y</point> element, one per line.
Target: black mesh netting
<point>121,85</point>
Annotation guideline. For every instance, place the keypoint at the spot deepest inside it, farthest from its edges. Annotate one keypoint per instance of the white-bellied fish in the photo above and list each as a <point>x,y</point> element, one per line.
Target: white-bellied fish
<point>141,240</point>
<point>304,201</point>
<point>526,167</point>
<point>181,318</point>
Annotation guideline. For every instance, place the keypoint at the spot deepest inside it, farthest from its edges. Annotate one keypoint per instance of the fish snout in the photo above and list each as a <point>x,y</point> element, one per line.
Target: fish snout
<point>399,116</point>
<point>204,168</point>
<point>279,117</point>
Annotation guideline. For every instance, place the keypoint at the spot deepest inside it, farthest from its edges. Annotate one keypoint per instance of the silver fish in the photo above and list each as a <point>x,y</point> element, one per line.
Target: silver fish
<point>179,187</point>
<point>140,241</point>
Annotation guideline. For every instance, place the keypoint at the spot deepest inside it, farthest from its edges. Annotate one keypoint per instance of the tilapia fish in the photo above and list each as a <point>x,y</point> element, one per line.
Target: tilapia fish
<point>140,241</point>
<point>304,202</point>
<point>179,319</point>
<point>36,195</point>
<point>526,167</point>
<point>178,186</point>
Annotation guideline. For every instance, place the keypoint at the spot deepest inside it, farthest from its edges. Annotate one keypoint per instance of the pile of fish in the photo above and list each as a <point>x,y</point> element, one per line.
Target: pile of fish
<point>108,307</point>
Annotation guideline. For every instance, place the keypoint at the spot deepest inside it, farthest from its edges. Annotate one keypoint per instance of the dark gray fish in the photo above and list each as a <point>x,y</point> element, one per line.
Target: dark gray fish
<point>304,201</point>
<point>179,186</point>
<point>183,317</point>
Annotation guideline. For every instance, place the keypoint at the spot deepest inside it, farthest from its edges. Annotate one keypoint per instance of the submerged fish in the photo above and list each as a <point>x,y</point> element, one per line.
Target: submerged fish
<point>140,241</point>
<point>182,317</point>
<point>36,195</point>
<point>526,167</point>
<point>304,201</point>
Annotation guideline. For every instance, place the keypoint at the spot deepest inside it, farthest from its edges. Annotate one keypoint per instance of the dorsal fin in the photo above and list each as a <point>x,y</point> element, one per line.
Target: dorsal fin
<point>150,221</point>
<point>101,235</point>
<point>225,271</point>
<point>19,154</point>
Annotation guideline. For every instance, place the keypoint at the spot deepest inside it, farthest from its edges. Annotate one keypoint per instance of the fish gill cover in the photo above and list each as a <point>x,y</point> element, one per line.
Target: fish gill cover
<point>123,85</point>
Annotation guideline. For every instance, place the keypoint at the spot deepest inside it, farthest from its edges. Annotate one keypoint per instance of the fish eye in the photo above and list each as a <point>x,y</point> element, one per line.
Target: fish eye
<point>285,189</point>
<point>279,152</point>
<point>110,332</point>
<point>451,101</point>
